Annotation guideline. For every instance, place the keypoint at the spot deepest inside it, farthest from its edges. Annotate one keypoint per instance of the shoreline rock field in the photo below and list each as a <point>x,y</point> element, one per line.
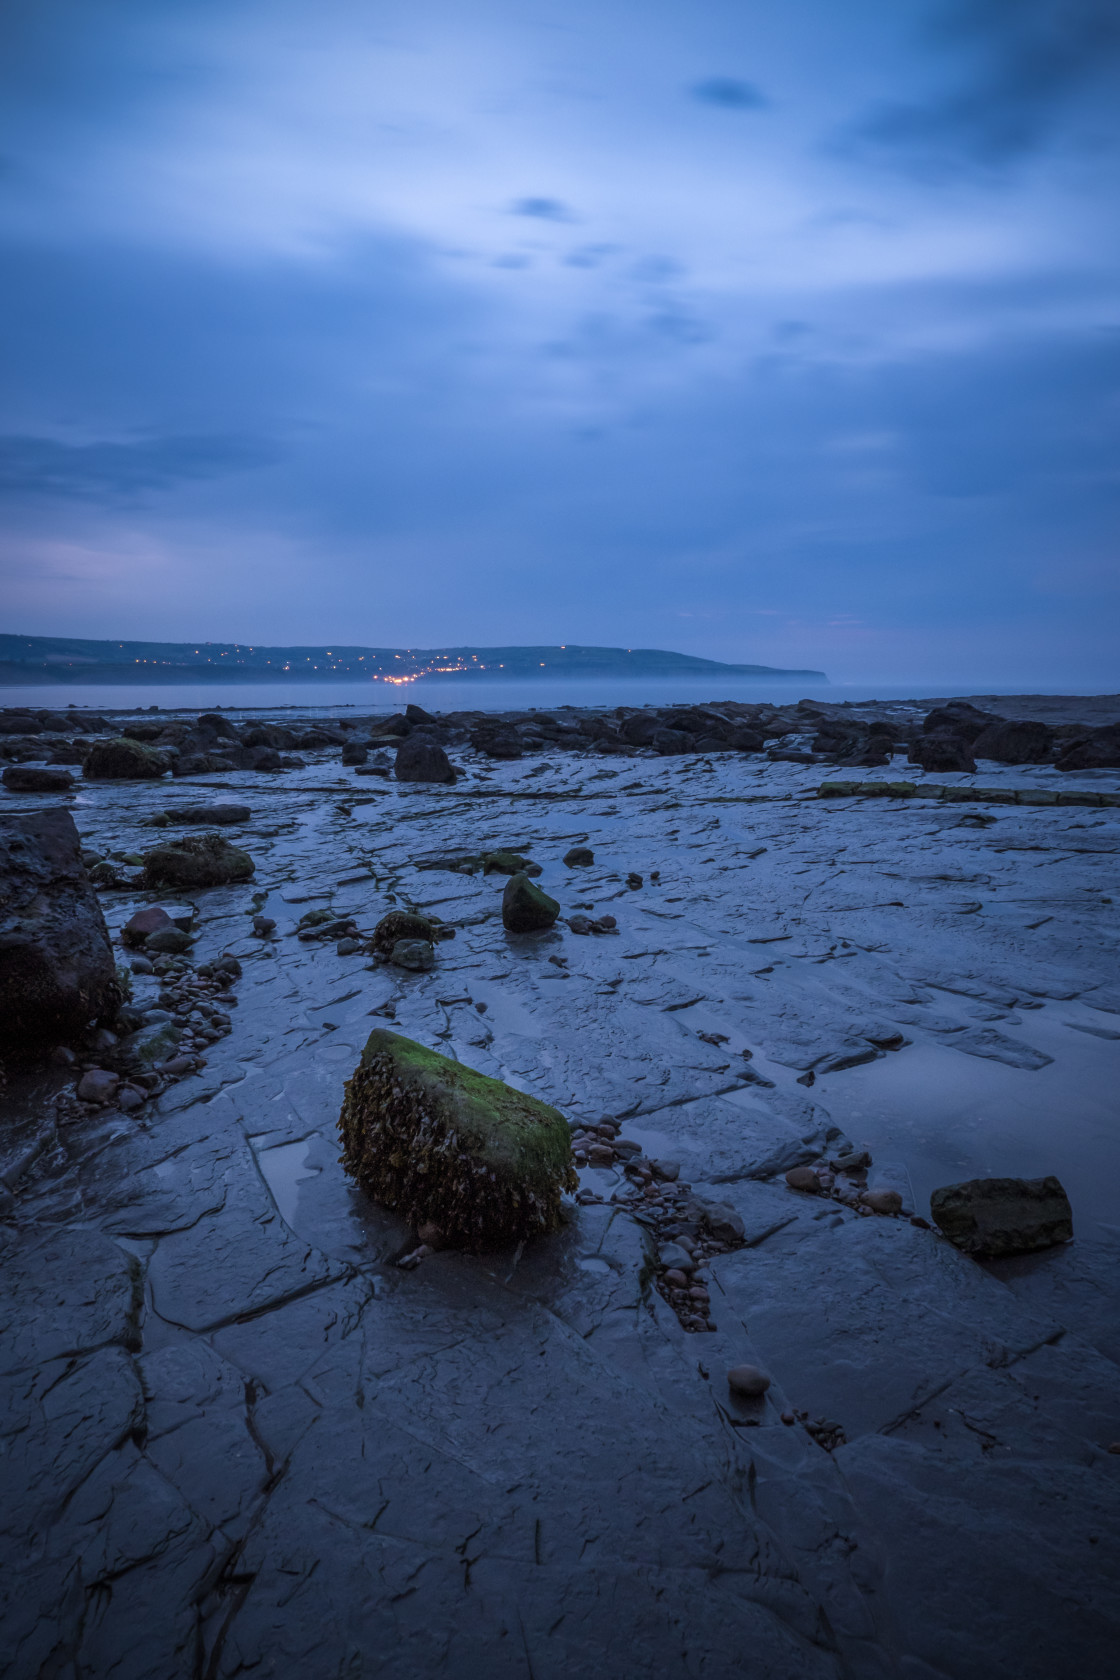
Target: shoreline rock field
<point>709,1388</point>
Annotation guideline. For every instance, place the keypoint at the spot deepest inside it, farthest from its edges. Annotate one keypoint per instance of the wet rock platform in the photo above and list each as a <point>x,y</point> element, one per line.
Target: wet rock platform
<point>240,1439</point>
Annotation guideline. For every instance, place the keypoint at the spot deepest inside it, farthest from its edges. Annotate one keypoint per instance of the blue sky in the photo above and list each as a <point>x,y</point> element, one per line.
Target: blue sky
<point>781,333</point>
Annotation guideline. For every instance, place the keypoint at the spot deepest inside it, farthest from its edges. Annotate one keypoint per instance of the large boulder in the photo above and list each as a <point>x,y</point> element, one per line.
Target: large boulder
<point>198,860</point>
<point>56,962</point>
<point>989,1217</point>
<point>123,760</point>
<point>401,925</point>
<point>1014,741</point>
<point>437,1142</point>
<point>525,908</point>
<point>422,760</point>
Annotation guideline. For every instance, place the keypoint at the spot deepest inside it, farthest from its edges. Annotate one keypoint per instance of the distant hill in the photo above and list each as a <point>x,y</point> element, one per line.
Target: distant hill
<point>55,659</point>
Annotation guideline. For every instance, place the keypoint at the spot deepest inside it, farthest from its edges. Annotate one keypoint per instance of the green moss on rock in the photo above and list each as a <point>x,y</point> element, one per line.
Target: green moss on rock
<point>437,1141</point>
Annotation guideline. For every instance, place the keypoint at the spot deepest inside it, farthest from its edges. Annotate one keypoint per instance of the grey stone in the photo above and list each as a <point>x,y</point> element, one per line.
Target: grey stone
<point>415,954</point>
<point>999,1216</point>
<point>420,759</point>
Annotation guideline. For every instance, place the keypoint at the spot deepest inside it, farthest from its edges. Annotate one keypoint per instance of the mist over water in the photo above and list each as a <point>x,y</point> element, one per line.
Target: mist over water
<point>447,695</point>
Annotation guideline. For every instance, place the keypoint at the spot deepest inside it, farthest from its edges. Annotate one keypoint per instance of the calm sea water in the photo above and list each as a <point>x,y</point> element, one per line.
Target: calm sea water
<point>448,695</point>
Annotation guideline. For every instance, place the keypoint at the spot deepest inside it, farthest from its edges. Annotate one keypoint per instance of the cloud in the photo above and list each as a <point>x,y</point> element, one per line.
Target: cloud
<point>728,92</point>
<point>543,209</point>
<point>41,466</point>
<point>1029,59</point>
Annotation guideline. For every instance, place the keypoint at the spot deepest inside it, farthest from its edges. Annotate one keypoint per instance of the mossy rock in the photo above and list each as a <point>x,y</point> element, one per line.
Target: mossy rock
<point>198,860</point>
<point>401,924</point>
<point>436,1141</point>
<point>123,760</point>
<point>525,908</point>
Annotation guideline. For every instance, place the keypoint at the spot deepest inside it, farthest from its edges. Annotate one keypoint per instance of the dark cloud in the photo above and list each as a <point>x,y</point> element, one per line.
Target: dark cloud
<point>543,209</point>
<point>42,466</point>
<point>729,92</point>
<point>1027,60</point>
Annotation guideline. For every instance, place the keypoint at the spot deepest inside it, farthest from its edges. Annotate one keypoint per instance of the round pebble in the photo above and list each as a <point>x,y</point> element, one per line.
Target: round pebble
<point>675,1280</point>
<point>748,1381</point>
<point>882,1201</point>
<point>803,1178</point>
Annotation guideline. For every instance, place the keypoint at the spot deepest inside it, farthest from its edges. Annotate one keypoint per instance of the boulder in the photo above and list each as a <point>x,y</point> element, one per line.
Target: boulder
<point>747,1381</point>
<point>355,752</point>
<point>942,752</point>
<point>525,908</point>
<point>215,724</point>
<point>201,764</point>
<point>418,716</point>
<point>436,1141</point>
<point>123,760</point>
<point>260,756</point>
<point>220,816</point>
<point>639,729</point>
<point>198,860</point>
<point>991,1217</point>
<point>959,717</point>
<point>151,920</point>
<point>34,778</point>
<point>268,735</point>
<point>672,742</point>
<point>1098,749</point>
<point>422,760</point>
<point>401,925</point>
<point>56,962</point>
<point>1014,741</point>
<point>580,857</point>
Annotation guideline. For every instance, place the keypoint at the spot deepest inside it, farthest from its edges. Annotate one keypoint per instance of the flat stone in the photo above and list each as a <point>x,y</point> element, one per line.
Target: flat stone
<point>998,1216</point>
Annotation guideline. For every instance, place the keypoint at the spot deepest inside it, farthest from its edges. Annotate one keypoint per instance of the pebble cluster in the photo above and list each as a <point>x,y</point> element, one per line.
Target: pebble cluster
<point>688,1233</point>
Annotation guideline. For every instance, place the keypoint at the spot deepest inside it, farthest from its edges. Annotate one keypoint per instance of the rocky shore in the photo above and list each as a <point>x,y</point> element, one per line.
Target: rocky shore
<point>747,1410</point>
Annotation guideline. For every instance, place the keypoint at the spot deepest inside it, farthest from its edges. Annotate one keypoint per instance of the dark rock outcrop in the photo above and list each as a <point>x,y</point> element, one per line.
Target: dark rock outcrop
<point>959,717</point>
<point>438,1142</point>
<point>123,760</point>
<point>1014,741</point>
<point>422,760</point>
<point>942,752</point>
<point>56,962</point>
<point>1098,749</point>
<point>34,778</point>
<point>990,1217</point>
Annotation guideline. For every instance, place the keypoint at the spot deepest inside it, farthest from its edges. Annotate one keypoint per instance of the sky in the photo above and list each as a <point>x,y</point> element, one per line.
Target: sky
<point>772,333</point>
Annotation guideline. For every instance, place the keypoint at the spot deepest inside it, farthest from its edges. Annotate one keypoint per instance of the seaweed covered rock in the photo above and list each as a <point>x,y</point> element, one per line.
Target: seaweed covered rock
<point>34,778</point>
<point>436,1141</point>
<point>525,908</point>
<point>198,860</point>
<point>508,863</point>
<point>401,924</point>
<point>56,963</point>
<point>997,1216</point>
<point>123,760</point>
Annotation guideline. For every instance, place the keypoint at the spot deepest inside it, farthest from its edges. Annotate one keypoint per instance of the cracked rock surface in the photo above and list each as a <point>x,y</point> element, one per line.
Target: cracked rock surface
<point>240,1439</point>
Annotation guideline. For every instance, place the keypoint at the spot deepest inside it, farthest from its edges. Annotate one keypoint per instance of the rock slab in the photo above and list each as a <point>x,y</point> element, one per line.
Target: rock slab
<point>991,1217</point>
<point>434,1140</point>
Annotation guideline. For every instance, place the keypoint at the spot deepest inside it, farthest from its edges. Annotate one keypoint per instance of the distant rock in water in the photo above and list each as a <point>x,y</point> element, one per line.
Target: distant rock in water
<point>437,1142</point>
<point>57,972</point>
<point>990,1217</point>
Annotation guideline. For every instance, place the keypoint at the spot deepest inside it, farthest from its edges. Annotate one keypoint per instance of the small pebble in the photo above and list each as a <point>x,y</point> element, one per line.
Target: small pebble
<point>674,1279</point>
<point>788,1419</point>
<point>748,1381</point>
<point>882,1201</point>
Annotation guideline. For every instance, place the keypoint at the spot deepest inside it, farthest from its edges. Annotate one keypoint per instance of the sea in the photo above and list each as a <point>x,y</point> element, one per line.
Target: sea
<point>446,694</point>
